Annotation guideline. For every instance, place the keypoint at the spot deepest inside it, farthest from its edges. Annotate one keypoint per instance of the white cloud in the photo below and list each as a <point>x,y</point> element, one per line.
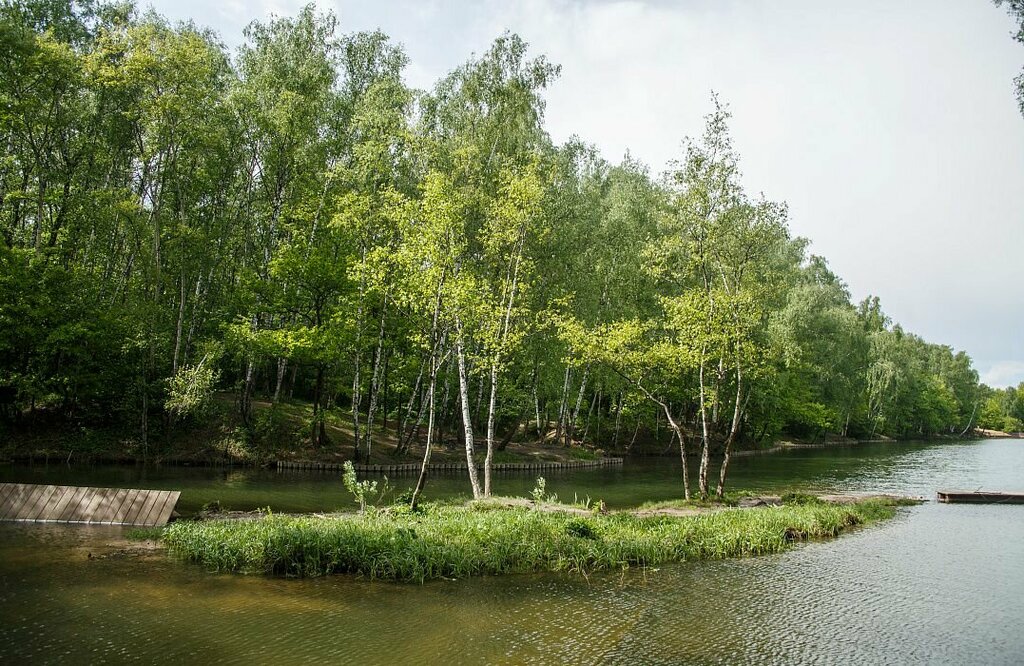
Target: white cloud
<point>1004,373</point>
<point>889,128</point>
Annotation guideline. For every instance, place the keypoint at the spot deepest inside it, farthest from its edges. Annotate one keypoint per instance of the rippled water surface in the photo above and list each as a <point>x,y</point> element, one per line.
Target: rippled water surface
<point>939,584</point>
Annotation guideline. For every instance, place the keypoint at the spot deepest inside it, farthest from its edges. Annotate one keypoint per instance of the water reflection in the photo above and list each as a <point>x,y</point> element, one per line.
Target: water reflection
<point>940,584</point>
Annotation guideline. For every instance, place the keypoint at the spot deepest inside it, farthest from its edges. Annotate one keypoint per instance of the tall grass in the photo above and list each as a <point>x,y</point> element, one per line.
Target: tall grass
<point>460,541</point>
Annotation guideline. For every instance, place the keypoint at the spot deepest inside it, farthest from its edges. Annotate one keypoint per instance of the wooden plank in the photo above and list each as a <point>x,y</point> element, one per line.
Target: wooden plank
<point>162,512</point>
<point>153,519</point>
<point>91,503</point>
<point>115,509</point>
<point>58,509</point>
<point>112,500</point>
<point>125,508</point>
<point>16,500</point>
<point>68,504</point>
<point>33,502</point>
<point>141,513</point>
<point>47,510</point>
<point>980,497</point>
<point>133,512</point>
<point>118,508</point>
<point>5,490</point>
<point>155,499</point>
<point>166,509</point>
<point>74,504</point>
<point>11,498</point>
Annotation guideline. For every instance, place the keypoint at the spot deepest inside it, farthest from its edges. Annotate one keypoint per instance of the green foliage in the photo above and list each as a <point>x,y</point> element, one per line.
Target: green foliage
<point>359,489</point>
<point>293,220</point>
<point>455,542</point>
<point>581,528</point>
<point>145,534</point>
<point>190,391</point>
<point>538,490</point>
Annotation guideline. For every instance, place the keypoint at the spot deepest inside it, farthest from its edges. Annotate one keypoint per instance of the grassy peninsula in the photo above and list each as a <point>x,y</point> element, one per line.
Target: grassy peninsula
<point>491,538</point>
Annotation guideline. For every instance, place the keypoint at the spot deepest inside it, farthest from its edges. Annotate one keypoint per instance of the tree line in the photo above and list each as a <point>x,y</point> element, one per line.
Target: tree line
<point>293,221</point>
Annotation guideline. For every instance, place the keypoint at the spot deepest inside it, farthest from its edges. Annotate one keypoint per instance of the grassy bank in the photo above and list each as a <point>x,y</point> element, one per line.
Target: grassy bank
<point>460,541</point>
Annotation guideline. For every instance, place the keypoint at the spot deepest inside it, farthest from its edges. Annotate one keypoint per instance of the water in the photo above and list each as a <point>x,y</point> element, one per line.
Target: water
<point>938,584</point>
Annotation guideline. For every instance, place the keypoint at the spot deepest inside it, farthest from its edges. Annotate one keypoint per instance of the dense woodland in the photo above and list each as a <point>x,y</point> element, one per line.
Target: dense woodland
<point>293,222</point>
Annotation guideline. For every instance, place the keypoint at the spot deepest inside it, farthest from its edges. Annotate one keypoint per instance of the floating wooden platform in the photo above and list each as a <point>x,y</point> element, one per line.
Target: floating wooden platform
<point>93,506</point>
<point>979,497</point>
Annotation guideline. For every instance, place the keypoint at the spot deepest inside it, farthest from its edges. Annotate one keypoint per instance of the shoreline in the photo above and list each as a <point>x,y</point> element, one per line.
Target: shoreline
<point>524,461</point>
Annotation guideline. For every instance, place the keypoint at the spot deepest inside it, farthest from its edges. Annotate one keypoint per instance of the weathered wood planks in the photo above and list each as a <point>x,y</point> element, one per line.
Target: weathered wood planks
<point>92,506</point>
<point>979,497</point>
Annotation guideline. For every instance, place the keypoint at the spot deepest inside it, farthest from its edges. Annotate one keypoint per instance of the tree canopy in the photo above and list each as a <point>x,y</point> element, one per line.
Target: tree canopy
<point>293,220</point>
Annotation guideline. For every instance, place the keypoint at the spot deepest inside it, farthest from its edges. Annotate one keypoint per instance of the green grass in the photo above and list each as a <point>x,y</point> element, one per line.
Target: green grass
<point>461,541</point>
<point>144,533</point>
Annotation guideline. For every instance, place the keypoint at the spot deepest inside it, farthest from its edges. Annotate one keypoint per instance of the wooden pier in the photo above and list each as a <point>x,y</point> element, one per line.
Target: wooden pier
<point>23,502</point>
<point>979,497</point>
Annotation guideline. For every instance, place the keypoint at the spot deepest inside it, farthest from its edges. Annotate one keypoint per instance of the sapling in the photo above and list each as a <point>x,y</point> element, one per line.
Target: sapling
<point>538,490</point>
<point>359,489</point>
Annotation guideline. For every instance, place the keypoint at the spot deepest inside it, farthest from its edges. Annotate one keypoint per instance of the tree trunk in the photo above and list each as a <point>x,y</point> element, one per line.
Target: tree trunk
<point>571,431</point>
<point>415,432</point>
<point>734,428</point>
<point>319,427</point>
<point>522,421</point>
<point>618,420</point>
<point>490,429</point>
<point>177,330</point>
<point>442,414</point>
<point>282,367</point>
<point>145,421</point>
<point>467,417</point>
<point>436,346</point>
<point>408,411</point>
<point>562,407</point>
<point>590,414</point>
<point>384,391</point>
<point>705,455</point>
<point>422,480</point>
<point>375,382</point>
<point>536,408</point>
<point>245,405</point>
<point>636,431</point>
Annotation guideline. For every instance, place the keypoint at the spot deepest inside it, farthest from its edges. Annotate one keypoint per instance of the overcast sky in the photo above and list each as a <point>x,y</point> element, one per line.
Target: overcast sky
<point>889,127</point>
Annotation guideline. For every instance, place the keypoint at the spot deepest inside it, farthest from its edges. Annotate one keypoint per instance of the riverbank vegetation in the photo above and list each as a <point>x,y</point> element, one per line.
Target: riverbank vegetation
<point>489,538</point>
<point>292,224</point>
<point>1002,410</point>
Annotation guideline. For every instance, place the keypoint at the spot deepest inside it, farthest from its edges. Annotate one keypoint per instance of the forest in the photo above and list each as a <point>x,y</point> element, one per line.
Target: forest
<point>183,227</point>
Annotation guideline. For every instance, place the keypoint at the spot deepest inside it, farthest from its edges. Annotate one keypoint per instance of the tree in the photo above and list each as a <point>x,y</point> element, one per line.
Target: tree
<point>1016,10</point>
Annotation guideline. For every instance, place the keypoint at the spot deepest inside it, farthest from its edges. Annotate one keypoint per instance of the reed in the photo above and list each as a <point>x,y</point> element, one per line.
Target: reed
<point>461,541</point>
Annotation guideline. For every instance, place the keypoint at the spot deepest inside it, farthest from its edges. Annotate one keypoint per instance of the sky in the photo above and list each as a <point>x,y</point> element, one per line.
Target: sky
<point>890,128</point>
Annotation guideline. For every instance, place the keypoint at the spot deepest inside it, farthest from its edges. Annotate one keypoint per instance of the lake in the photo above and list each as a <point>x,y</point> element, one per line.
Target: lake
<point>938,584</point>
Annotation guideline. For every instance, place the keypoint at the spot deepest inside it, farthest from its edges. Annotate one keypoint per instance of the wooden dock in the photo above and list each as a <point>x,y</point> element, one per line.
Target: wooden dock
<point>979,497</point>
<point>33,503</point>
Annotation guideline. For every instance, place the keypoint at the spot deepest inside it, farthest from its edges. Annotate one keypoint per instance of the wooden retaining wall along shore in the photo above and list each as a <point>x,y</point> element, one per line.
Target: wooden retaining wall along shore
<point>414,468</point>
<point>25,502</point>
